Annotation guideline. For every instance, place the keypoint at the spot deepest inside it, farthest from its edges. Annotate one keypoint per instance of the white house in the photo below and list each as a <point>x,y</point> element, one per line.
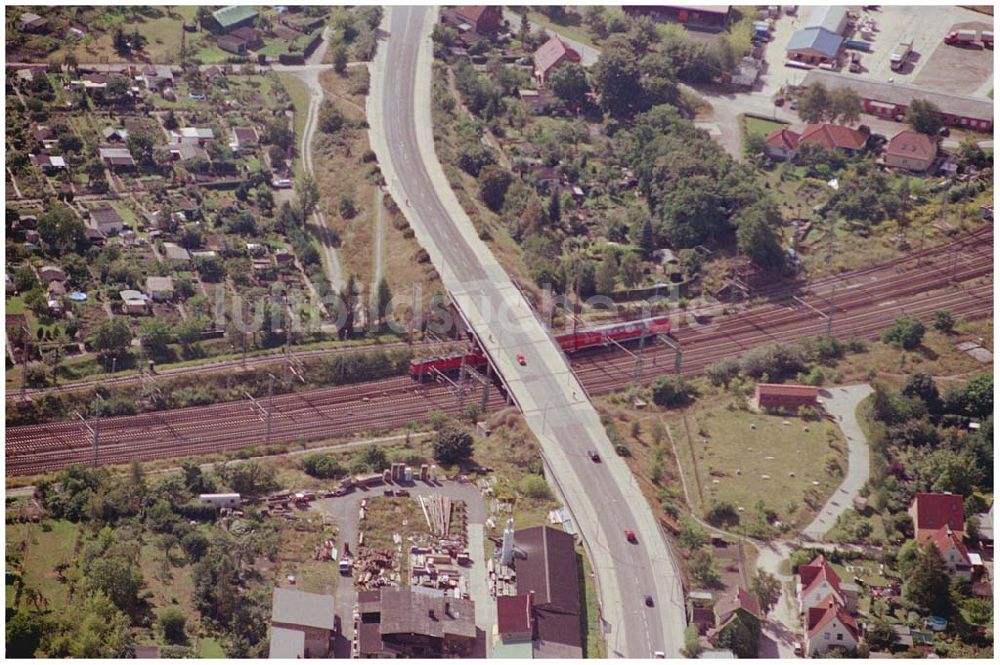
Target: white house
<point>830,625</point>
<point>220,500</point>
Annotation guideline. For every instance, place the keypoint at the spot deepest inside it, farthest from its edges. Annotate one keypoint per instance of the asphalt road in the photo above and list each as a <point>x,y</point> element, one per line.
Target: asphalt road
<point>603,497</point>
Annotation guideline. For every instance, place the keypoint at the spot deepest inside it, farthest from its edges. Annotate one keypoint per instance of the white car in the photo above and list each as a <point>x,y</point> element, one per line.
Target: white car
<point>281,183</point>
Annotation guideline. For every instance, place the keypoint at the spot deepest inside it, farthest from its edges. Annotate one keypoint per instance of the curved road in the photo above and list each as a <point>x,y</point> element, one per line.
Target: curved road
<point>602,497</point>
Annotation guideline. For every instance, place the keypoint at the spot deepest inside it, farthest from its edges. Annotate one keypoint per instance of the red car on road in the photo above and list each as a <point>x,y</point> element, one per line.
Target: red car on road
<point>521,359</point>
<point>630,536</point>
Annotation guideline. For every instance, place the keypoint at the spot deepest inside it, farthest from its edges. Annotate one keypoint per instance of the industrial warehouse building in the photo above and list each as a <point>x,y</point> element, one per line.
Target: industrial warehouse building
<point>414,622</point>
<point>543,620</point>
<point>784,397</point>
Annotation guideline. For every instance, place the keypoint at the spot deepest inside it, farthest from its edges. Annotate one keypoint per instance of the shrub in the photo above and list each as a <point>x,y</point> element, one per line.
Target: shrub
<point>722,514</point>
<point>535,487</point>
<point>670,391</point>
<point>906,332</point>
<point>452,445</point>
<point>322,466</point>
<point>173,623</point>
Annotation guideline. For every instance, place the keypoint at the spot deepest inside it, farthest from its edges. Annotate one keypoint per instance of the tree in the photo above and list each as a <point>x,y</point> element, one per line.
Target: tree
<point>93,628</point>
<point>568,82</point>
<point>926,585</point>
<point>331,118</point>
<point>452,445</point>
<point>944,321</point>
<point>24,633</point>
<point>607,272</point>
<point>120,42</point>
<point>702,564</point>
<point>251,478</point>
<point>154,336</point>
<point>669,391</point>
<point>691,536</point>
<point>845,105</point>
<point>616,77</point>
<point>62,231</point>
<point>924,117</point>
<point>383,295</point>
<point>906,332</point>
<point>814,103</point>
<point>493,183</point>
<point>880,635</point>
<point>172,624</point>
<point>756,237</point>
<point>340,59</point>
<point>646,240</point>
<point>766,588</point>
<point>111,338</point>
<point>195,545</point>
<point>308,192</point>
<point>922,385</point>
<point>555,206</point>
<point>977,396</point>
<point>140,145</point>
<point>118,579</point>
<point>631,269</point>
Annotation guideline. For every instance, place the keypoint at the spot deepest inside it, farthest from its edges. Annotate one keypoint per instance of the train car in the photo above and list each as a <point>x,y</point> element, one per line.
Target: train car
<point>446,364</point>
<point>569,343</point>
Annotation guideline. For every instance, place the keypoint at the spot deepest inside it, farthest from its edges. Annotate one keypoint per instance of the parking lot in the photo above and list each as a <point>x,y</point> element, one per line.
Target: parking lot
<point>949,68</point>
<point>959,70</point>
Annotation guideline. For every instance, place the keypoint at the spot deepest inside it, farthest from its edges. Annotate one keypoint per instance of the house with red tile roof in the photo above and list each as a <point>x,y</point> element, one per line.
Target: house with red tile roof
<point>482,19</point>
<point>911,150</point>
<point>833,137</point>
<point>817,580</point>
<point>930,512</point>
<point>550,55</point>
<point>953,551</point>
<point>782,144</point>
<point>736,614</point>
<point>829,625</point>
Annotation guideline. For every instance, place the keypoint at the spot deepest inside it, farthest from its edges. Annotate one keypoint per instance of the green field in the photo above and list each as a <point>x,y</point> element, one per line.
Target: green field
<point>760,127</point>
<point>299,94</point>
<point>743,458</point>
<point>42,552</point>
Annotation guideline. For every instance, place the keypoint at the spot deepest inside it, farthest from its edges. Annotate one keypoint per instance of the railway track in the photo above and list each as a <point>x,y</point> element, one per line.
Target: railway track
<point>864,303</point>
<point>122,379</point>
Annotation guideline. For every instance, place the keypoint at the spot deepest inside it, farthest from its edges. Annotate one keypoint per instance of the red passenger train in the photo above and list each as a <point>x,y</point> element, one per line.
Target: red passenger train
<point>570,342</point>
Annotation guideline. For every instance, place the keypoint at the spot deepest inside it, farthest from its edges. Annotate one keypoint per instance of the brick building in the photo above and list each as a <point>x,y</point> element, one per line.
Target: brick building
<point>784,396</point>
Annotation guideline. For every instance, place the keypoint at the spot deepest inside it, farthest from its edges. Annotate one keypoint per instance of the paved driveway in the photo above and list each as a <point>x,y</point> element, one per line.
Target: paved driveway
<point>842,404</point>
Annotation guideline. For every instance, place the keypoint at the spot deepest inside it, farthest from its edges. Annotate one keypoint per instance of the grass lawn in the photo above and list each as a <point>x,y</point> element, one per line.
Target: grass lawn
<point>43,551</point>
<point>590,620</point>
<point>299,94</point>
<point>209,647</point>
<point>743,458</point>
<point>15,305</point>
<point>571,29</point>
<point>760,127</point>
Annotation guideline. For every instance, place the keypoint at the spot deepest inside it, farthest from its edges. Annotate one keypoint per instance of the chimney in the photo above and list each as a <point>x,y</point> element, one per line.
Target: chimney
<point>831,603</point>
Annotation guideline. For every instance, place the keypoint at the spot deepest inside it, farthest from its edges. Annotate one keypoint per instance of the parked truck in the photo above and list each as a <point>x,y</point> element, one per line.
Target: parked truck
<point>960,37</point>
<point>900,54</point>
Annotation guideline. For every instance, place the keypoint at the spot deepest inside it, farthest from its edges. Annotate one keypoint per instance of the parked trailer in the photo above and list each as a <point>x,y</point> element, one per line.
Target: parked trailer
<point>900,55</point>
<point>857,45</point>
<point>960,37</point>
<point>986,37</point>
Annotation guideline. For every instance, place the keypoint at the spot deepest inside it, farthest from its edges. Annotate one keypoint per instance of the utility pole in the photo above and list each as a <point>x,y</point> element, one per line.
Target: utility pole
<point>638,359</point>
<point>829,261</point>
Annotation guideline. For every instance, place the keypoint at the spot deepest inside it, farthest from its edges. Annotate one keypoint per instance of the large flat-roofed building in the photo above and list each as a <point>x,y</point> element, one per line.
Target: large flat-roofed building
<point>413,623</point>
<point>890,100</point>
<point>311,615</point>
<point>547,571</point>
